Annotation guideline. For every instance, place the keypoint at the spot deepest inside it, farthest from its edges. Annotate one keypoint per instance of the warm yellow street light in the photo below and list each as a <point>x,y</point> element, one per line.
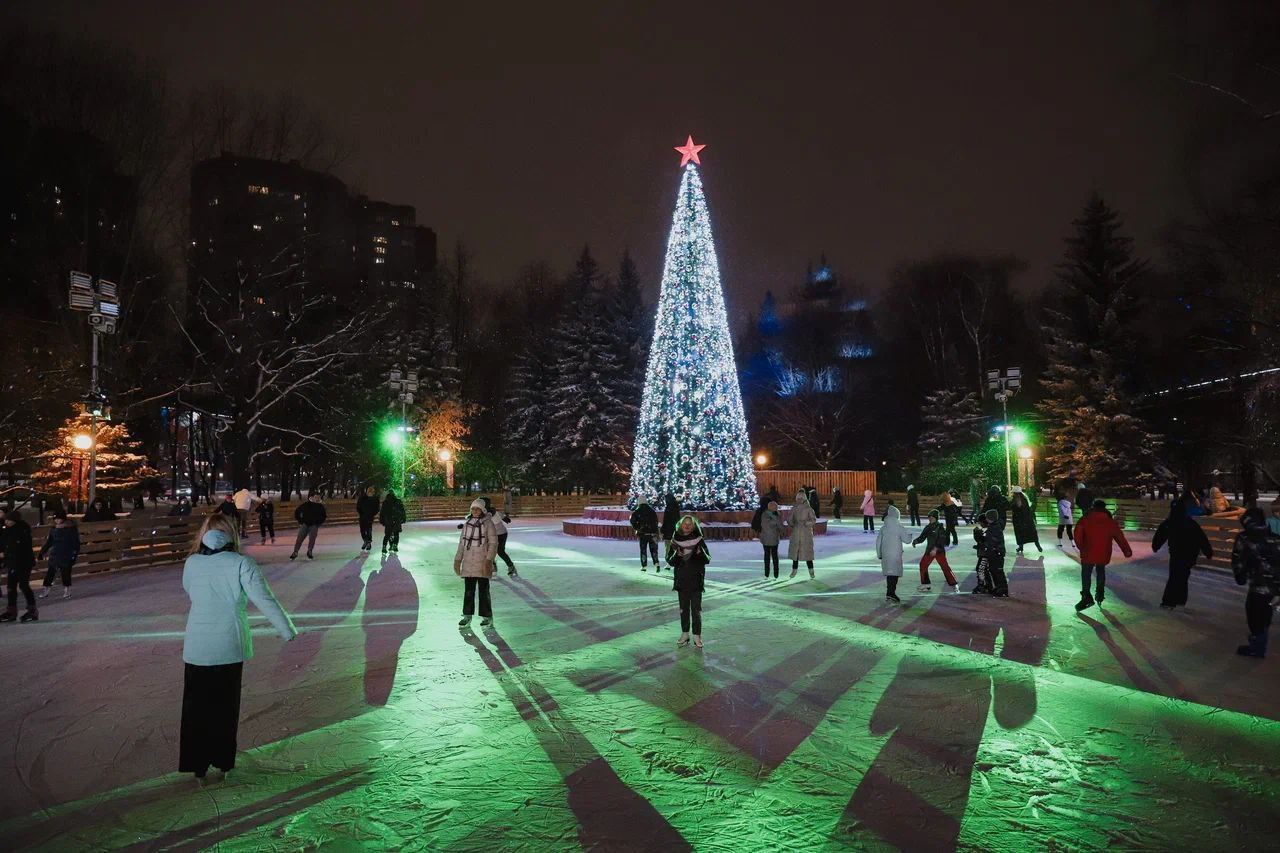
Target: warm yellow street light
<point>1024,452</point>
<point>761,460</point>
<point>446,456</point>
<point>82,441</point>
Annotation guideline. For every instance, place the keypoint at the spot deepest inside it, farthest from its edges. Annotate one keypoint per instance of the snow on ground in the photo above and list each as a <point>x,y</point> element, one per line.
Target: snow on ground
<point>816,717</point>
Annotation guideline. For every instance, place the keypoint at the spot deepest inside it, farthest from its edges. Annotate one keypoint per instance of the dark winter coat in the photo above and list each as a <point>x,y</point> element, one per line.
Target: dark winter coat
<point>62,545</point>
<point>688,555</point>
<point>934,536</point>
<point>1255,559</point>
<point>367,507</point>
<point>951,514</point>
<point>913,500</point>
<point>266,513</point>
<point>1084,501</point>
<point>18,550</point>
<point>229,508</point>
<point>310,513</point>
<point>813,503</point>
<point>1024,522</point>
<point>95,514</point>
<point>997,501</point>
<point>1186,540</point>
<point>991,545</point>
<point>1065,489</point>
<point>837,500</point>
<point>670,517</point>
<point>392,513</point>
<point>770,529</point>
<point>645,520</point>
<point>1094,536</point>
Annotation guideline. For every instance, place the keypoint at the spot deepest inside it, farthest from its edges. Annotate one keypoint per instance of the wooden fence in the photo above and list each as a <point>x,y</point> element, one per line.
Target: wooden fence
<point>789,482</point>
<point>147,540</point>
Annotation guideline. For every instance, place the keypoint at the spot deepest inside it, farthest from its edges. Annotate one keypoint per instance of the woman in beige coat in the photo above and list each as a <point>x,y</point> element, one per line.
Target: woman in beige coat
<point>801,522</point>
<point>477,549</point>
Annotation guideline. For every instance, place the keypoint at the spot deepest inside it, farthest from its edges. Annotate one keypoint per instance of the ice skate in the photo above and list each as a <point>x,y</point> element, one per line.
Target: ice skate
<point>811,574</point>
<point>890,598</point>
<point>44,593</point>
<point>683,641</point>
<point>464,621</point>
<point>793,572</point>
<point>697,640</point>
<point>10,615</point>
<point>924,587</point>
<point>66,593</point>
<point>31,615</point>
<point>1086,601</point>
<point>486,622</point>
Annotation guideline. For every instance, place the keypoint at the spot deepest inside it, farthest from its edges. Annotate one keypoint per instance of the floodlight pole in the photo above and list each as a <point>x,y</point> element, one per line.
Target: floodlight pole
<point>93,418</point>
<point>1005,383</point>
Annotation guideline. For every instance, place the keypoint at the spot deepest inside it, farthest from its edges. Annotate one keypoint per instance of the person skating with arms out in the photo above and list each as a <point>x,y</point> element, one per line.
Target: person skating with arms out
<point>934,537</point>
<point>688,557</point>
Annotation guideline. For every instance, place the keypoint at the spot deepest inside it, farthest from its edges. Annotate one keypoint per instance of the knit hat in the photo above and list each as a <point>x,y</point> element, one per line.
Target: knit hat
<point>992,515</point>
<point>478,504</point>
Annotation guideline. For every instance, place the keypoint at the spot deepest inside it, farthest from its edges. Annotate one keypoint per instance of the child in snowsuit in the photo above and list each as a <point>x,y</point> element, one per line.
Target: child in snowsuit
<point>982,570</point>
<point>1255,560</point>
<point>934,537</point>
<point>688,556</point>
<point>63,547</point>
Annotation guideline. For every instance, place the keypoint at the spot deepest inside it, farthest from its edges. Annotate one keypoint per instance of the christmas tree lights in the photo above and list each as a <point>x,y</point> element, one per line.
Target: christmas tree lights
<point>692,438</point>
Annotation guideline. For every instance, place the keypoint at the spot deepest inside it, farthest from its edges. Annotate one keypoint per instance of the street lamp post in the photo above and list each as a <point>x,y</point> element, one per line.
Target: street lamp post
<point>1005,384</point>
<point>101,301</point>
<point>404,386</point>
<point>80,442</point>
<point>446,456</point>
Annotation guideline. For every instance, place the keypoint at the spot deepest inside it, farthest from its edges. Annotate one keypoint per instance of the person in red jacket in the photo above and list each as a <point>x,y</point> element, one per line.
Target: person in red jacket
<point>1095,534</point>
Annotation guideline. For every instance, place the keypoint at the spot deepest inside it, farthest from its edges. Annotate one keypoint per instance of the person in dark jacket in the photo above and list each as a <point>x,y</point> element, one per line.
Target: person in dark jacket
<point>392,517</point>
<point>266,510</point>
<point>62,546</point>
<point>366,511</point>
<point>19,559</point>
<point>770,529</point>
<point>1186,542</point>
<point>1094,536</point>
<point>935,539</point>
<point>688,556</point>
<point>837,502</point>
<point>181,509</point>
<point>310,514</point>
<point>982,569</point>
<point>645,523</point>
<point>997,501</point>
<point>813,501</point>
<point>228,507</point>
<point>1084,500</point>
<point>670,518</point>
<point>951,515</point>
<point>991,550</point>
<point>1024,522</point>
<point>99,510</point>
<point>913,507</point>
<point>1255,560</point>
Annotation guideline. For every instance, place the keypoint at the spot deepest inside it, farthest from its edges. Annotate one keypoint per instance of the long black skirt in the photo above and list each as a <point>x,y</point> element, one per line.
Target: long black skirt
<point>210,717</point>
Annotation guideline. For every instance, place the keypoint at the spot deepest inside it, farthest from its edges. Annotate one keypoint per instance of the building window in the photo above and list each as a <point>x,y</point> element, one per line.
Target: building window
<point>259,300</point>
<point>297,197</point>
<point>254,188</point>
<point>379,260</point>
<point>213,202</point>
<point>381,250</point>
<point>380,240</point>
<point>395,222</point>
<point>257,227</point>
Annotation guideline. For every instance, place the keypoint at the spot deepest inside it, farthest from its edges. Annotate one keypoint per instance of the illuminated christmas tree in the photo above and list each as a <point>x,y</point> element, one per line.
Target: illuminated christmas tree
<point>692,439</point>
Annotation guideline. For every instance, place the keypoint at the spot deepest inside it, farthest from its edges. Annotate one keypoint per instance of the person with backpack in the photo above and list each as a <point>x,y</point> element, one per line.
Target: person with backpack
<point>1186,542</point>
<point>889,542</point>
<point>934,537</point>
<point>367,507</point>
<point>1095,534</point>
<point>688,556</point>
<point>770,530</point>
<point>392,516</point>
<point>1255,560</point>
<point>644,521</point>
<point>310,514</point>
<point>62,546</point>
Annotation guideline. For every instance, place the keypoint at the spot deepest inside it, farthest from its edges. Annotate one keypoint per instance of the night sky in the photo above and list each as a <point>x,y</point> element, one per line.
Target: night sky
<point>876,135</point>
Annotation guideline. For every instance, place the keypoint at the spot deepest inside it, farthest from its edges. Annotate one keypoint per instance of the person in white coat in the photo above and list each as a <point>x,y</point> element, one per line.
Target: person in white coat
<point>801,522</point>
<point>889,541</point>
<point>219,579</point>
<point>473,562</point>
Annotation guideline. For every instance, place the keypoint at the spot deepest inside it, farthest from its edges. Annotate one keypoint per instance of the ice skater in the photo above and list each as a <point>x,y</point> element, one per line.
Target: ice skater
<point>913,506</point>
<point>951,514</point>
<point>310,514</point>
<point>889,542</point>
<point>837,502</point>
<point>500,521</point>
<point>1255,560</point>
<point>991,551</point>
<point>868,511</point>
<point>1186,542</point>
<point>644,521</point>
<point>19,559</point>
<point>800,543</point>
<point>391,516</point>
<point>1095,534</point>
<point>474,563</point>
<point>366,511</point>
<point>934,537</point>
<point>770,536</point>
<point>219,579</point>
<point>267,520</point>
<point>63,548</point>
<point>1025,531</point>
<point>688,556</point>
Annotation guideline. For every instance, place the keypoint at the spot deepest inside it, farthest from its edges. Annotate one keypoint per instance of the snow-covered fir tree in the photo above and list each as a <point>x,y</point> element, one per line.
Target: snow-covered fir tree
<point>526,436</point>
<point>1087,402</point>
<point>953,444</point>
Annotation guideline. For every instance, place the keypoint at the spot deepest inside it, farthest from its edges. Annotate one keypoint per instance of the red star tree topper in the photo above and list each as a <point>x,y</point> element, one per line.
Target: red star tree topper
<point>689,152</point>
